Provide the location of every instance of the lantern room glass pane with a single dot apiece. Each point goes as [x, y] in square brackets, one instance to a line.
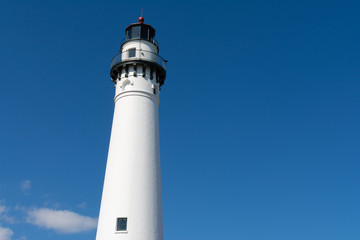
[134, 32]
[145, 33]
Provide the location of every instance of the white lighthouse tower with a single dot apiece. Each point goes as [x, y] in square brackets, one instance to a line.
[131, 207]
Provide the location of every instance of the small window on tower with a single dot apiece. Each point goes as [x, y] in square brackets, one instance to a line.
[121, 224]
[132, 52]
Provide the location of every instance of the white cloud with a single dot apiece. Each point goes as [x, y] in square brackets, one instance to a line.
[61, 221]
[5, 233]
[26, 186]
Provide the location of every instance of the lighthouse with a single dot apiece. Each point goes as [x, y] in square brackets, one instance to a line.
[131, 207]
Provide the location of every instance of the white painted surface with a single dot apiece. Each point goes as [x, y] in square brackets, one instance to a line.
[139, 45]
[132, 186]
[144, 50]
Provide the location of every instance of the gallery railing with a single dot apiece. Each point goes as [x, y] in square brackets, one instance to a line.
[133, 54]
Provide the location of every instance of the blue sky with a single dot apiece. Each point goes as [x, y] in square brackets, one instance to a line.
[259, 117]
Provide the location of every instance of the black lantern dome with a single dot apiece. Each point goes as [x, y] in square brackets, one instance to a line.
[140, 31]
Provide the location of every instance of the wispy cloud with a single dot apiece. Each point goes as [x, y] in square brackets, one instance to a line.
[25, 186]
[61, 221]
[6, 233]
[82, 205]
[2, 209]
[4, 215]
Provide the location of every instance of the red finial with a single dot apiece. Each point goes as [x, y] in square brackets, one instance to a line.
[141, 19]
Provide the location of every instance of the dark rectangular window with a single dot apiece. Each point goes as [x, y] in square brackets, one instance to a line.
[132, 52]
[121, 224]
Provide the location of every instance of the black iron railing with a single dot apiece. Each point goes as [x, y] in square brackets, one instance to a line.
[133, 54]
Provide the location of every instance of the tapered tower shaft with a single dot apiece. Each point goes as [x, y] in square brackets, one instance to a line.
[131, 207]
